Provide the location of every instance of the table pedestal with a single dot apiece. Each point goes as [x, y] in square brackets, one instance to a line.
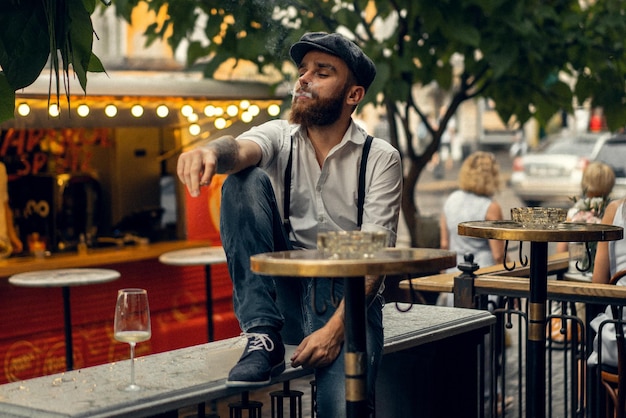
[536, 341]
[356, 348]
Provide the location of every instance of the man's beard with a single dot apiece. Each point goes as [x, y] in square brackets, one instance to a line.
[322, 112]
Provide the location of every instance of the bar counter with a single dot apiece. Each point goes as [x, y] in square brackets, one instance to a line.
[94, 257]
[31, 332]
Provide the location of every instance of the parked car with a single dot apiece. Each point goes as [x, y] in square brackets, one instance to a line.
[552, 173]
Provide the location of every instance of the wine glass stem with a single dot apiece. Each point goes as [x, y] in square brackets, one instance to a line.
[132, 363]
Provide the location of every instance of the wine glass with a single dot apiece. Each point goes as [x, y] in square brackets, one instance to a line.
[132, 324]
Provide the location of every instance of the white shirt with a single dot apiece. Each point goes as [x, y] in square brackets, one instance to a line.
[325, 198]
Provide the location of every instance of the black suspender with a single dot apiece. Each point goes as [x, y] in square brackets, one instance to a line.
[287, 192]
[361, 195]
[361, 192]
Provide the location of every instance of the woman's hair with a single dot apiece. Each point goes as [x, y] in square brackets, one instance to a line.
[598, 180]
[480, 174]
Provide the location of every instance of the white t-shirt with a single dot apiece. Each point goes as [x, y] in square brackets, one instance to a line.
[617, 259]
[325, 198]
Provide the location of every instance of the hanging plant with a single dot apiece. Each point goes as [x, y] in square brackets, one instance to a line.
[35, 32]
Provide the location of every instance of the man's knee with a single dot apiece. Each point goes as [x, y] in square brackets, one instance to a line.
[250, 180]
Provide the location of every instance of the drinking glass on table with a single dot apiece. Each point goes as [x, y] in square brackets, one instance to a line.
[132, 324]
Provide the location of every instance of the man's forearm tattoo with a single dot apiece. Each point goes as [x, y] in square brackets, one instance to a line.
[227, 153]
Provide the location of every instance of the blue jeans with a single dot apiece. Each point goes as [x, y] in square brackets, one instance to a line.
[251, 224]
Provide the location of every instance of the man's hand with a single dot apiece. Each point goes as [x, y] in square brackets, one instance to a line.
[196, 168]
[320, 348]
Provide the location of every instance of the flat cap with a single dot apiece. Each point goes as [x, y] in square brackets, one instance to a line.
[336, 44]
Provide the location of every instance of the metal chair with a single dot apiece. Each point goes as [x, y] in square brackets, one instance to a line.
[295, 402]
[614, 381]
[253, 407]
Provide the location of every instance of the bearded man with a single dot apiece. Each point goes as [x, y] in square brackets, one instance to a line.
[288, 181]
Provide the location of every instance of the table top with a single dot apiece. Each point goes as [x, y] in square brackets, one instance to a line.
[194, 256]
[313, 263]
[563, 232]
[64, 277]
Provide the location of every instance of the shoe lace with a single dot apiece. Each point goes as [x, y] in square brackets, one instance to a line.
[257, 341]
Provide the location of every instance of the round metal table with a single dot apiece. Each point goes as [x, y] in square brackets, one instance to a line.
[539, 239]
[202, 256]
[65, 278]
[312, 263]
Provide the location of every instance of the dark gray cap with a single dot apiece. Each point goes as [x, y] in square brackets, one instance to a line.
[335, 44]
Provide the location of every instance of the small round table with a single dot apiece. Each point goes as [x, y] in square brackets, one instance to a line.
[64, 278]
[202, 256]
[313, 263]
[539, 239]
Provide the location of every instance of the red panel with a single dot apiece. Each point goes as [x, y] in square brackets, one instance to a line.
[31, 331]
[203, 212]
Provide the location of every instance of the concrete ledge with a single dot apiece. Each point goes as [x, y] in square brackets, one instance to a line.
[188, 376]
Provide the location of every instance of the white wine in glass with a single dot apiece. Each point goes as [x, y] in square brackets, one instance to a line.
[132, 324]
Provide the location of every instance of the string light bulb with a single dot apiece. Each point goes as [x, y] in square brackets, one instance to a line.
[82, 110]
[209, 110]
[136, 110]
[162, 111]
[232, 110]
[54, 110]
[23, 109]
[220, 123]
[110, 110]
[254, 110]
[194, 129]
[273, 110]
[246, 117]
[186, 110]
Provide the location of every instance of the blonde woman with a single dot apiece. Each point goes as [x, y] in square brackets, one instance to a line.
[596, 186]
[479, 180]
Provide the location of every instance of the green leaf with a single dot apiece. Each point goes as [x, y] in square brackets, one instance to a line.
[24, 42]
[7, 99]
[80, 39]
[95, 65]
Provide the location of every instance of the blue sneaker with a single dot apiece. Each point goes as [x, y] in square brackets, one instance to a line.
[263, 358]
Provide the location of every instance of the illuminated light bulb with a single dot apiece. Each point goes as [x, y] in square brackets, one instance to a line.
[162, 111]
[209, 110]
[23, 109]
[246, 117]
[186, 110]
[220, 123]
[110, 110]
[54, 110]
[218, 111]
[254, 110]
[244, 104]
[193, 118]
[82, 110]
[273, 110]
[232, 110]
[194, 129]
[136, 110]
